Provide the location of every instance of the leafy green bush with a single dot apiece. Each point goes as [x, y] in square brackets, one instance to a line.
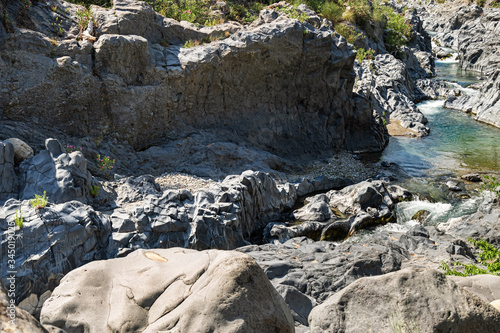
[488, 257]
[332, 11]
[194, 11]
[492, 184]
[398, 32]
[363, 54]
[94, 190]
[348, 32]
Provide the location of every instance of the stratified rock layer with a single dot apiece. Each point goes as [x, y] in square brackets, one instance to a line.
[278, 84]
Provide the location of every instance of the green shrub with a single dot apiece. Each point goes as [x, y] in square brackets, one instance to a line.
[105, 163]
[359, 12]
[441, 1]
[363, 54]
[492, 184]
[398, 32]
[348, 32]
[39, 201]
[332, 11]
[488, 257]
[94, 190]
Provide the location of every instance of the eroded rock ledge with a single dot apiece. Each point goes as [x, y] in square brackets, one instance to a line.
[278, 84]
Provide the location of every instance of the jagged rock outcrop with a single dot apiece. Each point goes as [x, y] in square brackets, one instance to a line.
[485, 104]
[423, 300]
[8, 177]
[51, 241]
[279, 84]
[62, 176]
[175, 290]
[387, 83]
[471, 30]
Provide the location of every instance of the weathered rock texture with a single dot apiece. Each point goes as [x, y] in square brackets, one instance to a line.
[8, 178]
[386, 81]
[280, 85]
[53, 240]
[485, 104]
[64, 177]
[12, 318]
[174, 290]
[422, 300]
[474, 32]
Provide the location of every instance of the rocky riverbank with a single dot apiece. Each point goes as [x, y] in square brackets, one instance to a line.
[220, 207]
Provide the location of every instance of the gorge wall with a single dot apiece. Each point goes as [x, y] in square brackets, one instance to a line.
[278, 84]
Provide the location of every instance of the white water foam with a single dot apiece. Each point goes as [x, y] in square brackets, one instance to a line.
[431, 107]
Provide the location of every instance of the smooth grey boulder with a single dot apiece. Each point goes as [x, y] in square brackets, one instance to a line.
[174, 290]
[485, 286]
[423, 300]
[301, 269]
[318, 209]
[8, 178]
[22, 150]
[64, 177]
[14, 319]
[52, 241]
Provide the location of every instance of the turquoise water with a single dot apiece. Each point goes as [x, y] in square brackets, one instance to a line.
[456, 144]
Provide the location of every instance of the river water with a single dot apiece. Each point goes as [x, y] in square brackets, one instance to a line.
[457, 144]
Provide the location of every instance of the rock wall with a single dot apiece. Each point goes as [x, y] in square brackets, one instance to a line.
[485, 104]
[278, 84]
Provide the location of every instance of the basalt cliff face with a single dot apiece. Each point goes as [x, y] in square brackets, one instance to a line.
[279, 85]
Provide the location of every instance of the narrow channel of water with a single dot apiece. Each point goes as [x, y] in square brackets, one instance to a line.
[457, 144]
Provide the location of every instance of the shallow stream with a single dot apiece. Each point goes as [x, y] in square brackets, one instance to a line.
[457, 144]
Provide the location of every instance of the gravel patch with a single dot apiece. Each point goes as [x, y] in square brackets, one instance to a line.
[176, 181]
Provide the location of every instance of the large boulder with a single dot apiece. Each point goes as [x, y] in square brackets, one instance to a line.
[22, 150]
[175, 290]
[424, 301]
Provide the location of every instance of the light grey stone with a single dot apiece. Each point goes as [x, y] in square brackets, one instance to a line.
[175, 289]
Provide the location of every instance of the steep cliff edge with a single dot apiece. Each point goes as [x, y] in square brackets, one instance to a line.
[280, 85]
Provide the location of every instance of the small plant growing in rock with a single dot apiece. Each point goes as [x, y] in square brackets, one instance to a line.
[39, 201]
[71, 148]
[94, 190]
[18, 219]
[105, 163]
[84, 15]
[293, 13]
[363, 54]
[489, 257]
[492, 184]
[191, 43]
[57, 26]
